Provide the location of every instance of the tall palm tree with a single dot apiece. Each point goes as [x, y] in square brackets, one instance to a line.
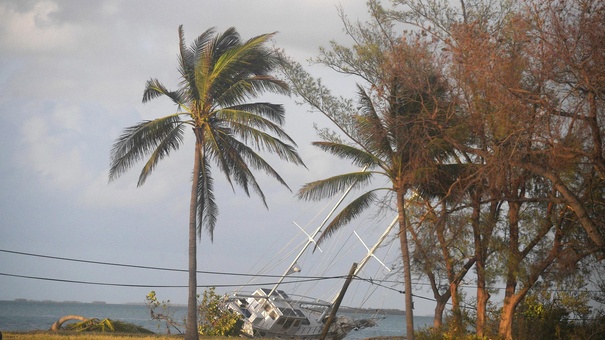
[396, 136]
[220, 75]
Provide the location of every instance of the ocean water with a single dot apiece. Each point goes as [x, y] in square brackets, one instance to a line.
[35, 315]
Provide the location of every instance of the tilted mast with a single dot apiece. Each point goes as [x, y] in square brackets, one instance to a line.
[311, 238]
[370, 253]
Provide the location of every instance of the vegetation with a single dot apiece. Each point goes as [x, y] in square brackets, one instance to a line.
[487, 121]
[220, 75]
[213, 318]
[163, 313]
[91, 336]
[105, 325]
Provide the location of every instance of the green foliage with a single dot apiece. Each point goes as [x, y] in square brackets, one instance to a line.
[91, 325]
[215, 320]
[106, 325]
[430, 333]
[549, 316]
[162, 312]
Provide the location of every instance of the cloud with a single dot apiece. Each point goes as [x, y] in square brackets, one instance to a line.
[34, 30]
[48, 150]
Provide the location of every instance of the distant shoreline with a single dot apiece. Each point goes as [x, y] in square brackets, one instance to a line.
[386, 311]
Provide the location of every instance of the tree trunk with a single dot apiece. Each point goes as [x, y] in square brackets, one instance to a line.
[513, 262]
[482, 295]
[456, 324]
[513, 298]
[407, 273]
[482, 298]
[57, 325]
[571, 199]
[505, 329]
[191, 332]
[439, 309]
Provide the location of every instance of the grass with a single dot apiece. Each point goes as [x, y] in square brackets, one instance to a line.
[63, 335]
[39, 335]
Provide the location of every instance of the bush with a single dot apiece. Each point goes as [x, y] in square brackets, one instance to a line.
[215, 319]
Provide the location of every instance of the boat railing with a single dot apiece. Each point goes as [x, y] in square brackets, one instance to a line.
[303, 300]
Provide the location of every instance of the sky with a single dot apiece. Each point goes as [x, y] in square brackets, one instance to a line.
[72, 75]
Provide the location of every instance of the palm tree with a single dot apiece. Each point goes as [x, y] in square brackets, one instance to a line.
[220, 75]
[396, 136]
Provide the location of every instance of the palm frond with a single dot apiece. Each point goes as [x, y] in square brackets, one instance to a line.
[224, 42]
[256, 161]
[355, 155]
[216, 150]
[273, 112]
[230, 155]
[171, 141]
[247, 53]
[154, 88]
[142, 139]
[265, 83]
[374, 135]
[207, 56]
[329, 187]
[207, 209]
[347, 214]
[263, 141]
[239, 65]
[186, 61]
[239, 92]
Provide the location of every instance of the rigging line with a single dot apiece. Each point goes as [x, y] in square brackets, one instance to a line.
[145, 267]
[414, 295]
[269, 264]
[379, 284]
[395, 290]
[495, 288]
[150, 286]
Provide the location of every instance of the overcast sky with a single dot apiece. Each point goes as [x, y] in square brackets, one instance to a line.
[72, 75]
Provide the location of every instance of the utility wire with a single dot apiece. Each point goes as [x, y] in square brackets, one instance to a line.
[403, 292]
[200, 286]
[148, 267]
[162, 286]
[302, 279]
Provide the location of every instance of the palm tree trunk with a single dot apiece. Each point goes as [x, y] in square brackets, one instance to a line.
[191, 332]
[407, 273]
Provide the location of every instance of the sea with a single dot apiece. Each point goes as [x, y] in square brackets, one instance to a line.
[25, 315]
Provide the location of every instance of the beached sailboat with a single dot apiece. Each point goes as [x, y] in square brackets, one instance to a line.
[274, 313]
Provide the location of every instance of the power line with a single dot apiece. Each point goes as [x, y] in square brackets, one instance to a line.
[201, 286]
[495, 288]
[301, 279]
[305, 278]
[373, 282]
[162, 286]
[150, 267]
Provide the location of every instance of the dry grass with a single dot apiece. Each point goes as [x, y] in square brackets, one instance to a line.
[87, 335]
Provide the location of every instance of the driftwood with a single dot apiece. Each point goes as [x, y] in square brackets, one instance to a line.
[57, 325]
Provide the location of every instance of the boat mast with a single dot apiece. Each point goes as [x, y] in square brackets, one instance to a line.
[311, 238]
[370, 253]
